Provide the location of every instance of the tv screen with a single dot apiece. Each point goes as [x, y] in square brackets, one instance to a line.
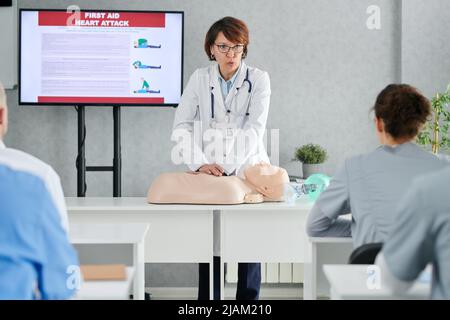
[98, 57]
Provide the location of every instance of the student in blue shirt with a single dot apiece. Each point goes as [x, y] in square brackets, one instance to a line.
[370, 185]
[35, 252]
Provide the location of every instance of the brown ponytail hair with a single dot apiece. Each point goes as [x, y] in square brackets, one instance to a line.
[403, 110]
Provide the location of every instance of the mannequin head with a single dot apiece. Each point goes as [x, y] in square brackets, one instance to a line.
[269, 180]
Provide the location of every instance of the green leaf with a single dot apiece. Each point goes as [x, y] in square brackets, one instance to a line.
[439, 121]
[311, 154]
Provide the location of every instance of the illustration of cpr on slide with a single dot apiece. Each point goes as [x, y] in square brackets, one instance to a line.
[143, 43]
[146, 88]
[139, 65]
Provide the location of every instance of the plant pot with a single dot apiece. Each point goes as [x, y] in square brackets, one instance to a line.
[309, 169]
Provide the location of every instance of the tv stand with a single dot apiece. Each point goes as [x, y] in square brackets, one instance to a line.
[116, 168]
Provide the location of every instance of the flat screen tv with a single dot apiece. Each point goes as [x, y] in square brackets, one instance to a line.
[100, 57]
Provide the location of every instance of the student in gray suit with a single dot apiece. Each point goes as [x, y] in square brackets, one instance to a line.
[420, 235]
[369, 186]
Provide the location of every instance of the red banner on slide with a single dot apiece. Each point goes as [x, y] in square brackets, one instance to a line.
[125, 19]
[106, 100]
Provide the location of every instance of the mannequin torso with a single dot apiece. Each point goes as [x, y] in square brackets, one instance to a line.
[263, 183]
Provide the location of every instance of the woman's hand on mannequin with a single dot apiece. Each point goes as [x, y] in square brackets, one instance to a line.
[213, 169]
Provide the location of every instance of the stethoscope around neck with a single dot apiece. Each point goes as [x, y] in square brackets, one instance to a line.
[228, 109]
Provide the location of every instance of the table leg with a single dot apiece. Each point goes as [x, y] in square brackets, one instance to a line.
[222, 259]
[222, 281]
[310, 279]
[211, 279]
[139, 266]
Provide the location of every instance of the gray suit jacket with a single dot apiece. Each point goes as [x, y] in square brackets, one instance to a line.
[369, 187]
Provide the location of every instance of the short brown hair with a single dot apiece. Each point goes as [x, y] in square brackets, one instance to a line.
[233, 29]
[403, 110]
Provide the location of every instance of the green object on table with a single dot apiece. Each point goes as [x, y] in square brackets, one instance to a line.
[315, 185]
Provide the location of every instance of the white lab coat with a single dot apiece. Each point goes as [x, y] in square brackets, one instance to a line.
[195, 107]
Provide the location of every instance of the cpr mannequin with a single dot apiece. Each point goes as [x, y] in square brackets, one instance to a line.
[263, 182]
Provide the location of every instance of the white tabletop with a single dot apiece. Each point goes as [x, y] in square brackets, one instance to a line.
[126, 233]
[123, 204]
[330, 239]
[140, 204]
[350, 282]
[106, 290]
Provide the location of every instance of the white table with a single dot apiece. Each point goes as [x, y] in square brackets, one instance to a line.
[179, 233]
[312, 268]
[107, 233]
[352, 282]
[106, 290]
[265, 232]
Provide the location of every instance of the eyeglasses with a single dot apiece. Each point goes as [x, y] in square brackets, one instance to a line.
[225, 49]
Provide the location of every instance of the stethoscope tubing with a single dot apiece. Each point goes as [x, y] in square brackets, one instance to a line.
[250, 87]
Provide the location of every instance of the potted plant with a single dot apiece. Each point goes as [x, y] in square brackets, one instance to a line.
[311, 156]
[435, 135]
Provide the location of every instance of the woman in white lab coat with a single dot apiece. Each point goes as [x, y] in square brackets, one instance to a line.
[223, 98]
[223, 112]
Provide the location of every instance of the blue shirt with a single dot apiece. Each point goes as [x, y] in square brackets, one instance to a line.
[35, 251]
[226, 86]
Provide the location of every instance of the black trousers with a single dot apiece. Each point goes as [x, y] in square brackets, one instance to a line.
[248, 286]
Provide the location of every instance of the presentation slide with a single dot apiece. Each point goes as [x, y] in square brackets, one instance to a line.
[87, 58]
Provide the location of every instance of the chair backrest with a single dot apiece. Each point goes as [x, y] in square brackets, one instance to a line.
[365, 254]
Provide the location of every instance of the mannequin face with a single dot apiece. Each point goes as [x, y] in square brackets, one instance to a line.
[268, 179]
